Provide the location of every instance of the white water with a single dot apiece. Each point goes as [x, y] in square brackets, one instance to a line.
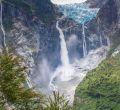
[101, 43]
[67, 76]
[28, 81]
[80, 67]
[64, 51]
[84, 42]
[65, 71]
[1, 23]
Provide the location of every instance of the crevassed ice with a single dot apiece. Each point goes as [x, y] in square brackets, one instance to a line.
[81, 13]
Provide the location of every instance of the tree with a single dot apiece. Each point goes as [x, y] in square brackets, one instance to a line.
[12, 84]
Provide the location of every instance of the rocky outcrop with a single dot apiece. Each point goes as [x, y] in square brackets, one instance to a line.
[96, 3]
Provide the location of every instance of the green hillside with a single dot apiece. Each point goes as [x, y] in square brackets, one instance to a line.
[100, 90]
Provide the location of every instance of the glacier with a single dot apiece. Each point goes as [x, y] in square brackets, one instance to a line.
[81, 13]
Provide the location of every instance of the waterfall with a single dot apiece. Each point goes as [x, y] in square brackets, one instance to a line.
[101, 43]
[64, 71]
[28, 81]
[84, 42]
[1, 24]
[64, 51]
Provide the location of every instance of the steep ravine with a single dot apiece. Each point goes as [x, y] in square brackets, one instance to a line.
[31, 32]
[102, 27]
[93, 51]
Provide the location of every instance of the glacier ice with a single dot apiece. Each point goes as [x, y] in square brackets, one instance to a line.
[80, 13]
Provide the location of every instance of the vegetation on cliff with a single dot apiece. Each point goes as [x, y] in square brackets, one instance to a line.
[12, 84]
[100, 90]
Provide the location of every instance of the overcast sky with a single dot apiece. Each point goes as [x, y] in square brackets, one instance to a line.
[67, 1]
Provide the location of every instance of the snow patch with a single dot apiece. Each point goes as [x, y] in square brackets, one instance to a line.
[59, 2]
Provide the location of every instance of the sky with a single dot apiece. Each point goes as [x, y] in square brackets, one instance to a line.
[67, 1]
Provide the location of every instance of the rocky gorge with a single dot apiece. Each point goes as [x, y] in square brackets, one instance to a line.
[81, 40]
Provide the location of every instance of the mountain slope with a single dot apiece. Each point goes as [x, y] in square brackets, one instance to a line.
[100, 89]
[30, 27]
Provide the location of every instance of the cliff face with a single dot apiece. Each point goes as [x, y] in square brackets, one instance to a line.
[109, 14]
[24, 23]
[117, 2]
[30, 27]
[39, 17]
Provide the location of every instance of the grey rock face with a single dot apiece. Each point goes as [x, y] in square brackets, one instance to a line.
[118, 11]
[109, 14]
[97, 3]
[35, 37]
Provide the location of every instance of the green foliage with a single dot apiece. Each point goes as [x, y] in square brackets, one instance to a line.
[100, 90]
[12, 84]
[57, 102]
[11, 74]
[2, 108]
